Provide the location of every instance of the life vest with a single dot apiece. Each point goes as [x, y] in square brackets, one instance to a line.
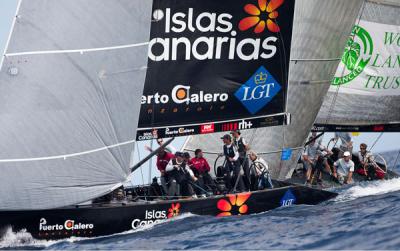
[178, 174]
[229, 152]
[241, 147]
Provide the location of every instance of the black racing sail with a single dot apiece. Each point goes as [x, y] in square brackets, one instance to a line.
[216, 66]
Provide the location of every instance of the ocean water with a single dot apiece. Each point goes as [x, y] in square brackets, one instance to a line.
[363, 216]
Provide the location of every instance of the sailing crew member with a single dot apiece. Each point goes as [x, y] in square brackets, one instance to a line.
[346, 142]
[242, 147]
[187, 159]
[261, 171]
[169, 148]
[198, 183]
[201, 169]
[163, 158]
[314, 135]
[368, 166]
[232, 165]
[345, 168]
[310, 157]
[180, 174]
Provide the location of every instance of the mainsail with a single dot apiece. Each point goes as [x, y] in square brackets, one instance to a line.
[365, 93]
[320, 31]
[71, 82]
[215, 63]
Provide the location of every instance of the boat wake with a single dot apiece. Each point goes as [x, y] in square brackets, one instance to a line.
[368, 188]
[20, 239]
[24, 239]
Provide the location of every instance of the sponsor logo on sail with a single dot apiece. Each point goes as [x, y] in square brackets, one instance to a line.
[181, 94]
[258, 91]
[357, 54]
[208, 128]
[149, 135]
[156, 216]
[179, 131]
[262, 16]
[219, 40]
[233, 204]
[288, 199]
[243, 125]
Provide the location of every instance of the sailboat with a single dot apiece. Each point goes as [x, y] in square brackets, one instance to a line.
[77, 77]
[362, 102]
[365, 90]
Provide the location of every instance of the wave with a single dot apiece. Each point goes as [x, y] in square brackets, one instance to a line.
[368, 188]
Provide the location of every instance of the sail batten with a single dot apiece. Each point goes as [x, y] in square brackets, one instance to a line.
[117, 47]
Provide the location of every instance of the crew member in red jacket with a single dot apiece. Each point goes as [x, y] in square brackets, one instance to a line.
[163, 158]
[201, 169]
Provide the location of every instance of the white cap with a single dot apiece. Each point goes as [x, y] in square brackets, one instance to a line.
[346, 154]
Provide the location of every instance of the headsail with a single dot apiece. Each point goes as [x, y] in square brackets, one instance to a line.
[319, 34]
[70, 85]
[213, 64]
[365, 93]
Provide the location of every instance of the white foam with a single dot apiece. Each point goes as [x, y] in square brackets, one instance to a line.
[369, 189]
[21, 238]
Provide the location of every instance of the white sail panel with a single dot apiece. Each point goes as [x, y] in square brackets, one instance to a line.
[366, 87]
[319, 35]
[70, 88]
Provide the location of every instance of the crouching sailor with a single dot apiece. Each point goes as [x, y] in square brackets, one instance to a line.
[180, 174]
[345, 168]
[232, 165]
[261, 171]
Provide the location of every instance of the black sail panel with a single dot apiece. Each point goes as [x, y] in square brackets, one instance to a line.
[216, 66]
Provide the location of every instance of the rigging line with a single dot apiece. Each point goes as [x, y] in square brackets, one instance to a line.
[10, 33]
[333, 103]
[65, 156]
[380, 135]
[151, 162]
[81, 51]
[141, 170]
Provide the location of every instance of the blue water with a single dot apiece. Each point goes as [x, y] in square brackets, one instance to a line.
[364, 216]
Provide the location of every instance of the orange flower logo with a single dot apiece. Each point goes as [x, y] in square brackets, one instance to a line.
[234, 205]
[174, 210]
[261, 16]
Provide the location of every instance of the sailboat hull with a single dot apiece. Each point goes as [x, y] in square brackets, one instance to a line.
[111, 218]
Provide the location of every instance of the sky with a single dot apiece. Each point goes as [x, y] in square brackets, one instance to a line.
[388, 141]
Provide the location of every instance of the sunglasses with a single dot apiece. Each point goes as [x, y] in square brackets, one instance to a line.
[363, 148]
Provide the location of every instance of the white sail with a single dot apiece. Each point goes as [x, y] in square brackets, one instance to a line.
[319, 34]
[366, 87]
[70, 88]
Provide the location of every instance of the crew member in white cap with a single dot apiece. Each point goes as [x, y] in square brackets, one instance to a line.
[345, 168]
